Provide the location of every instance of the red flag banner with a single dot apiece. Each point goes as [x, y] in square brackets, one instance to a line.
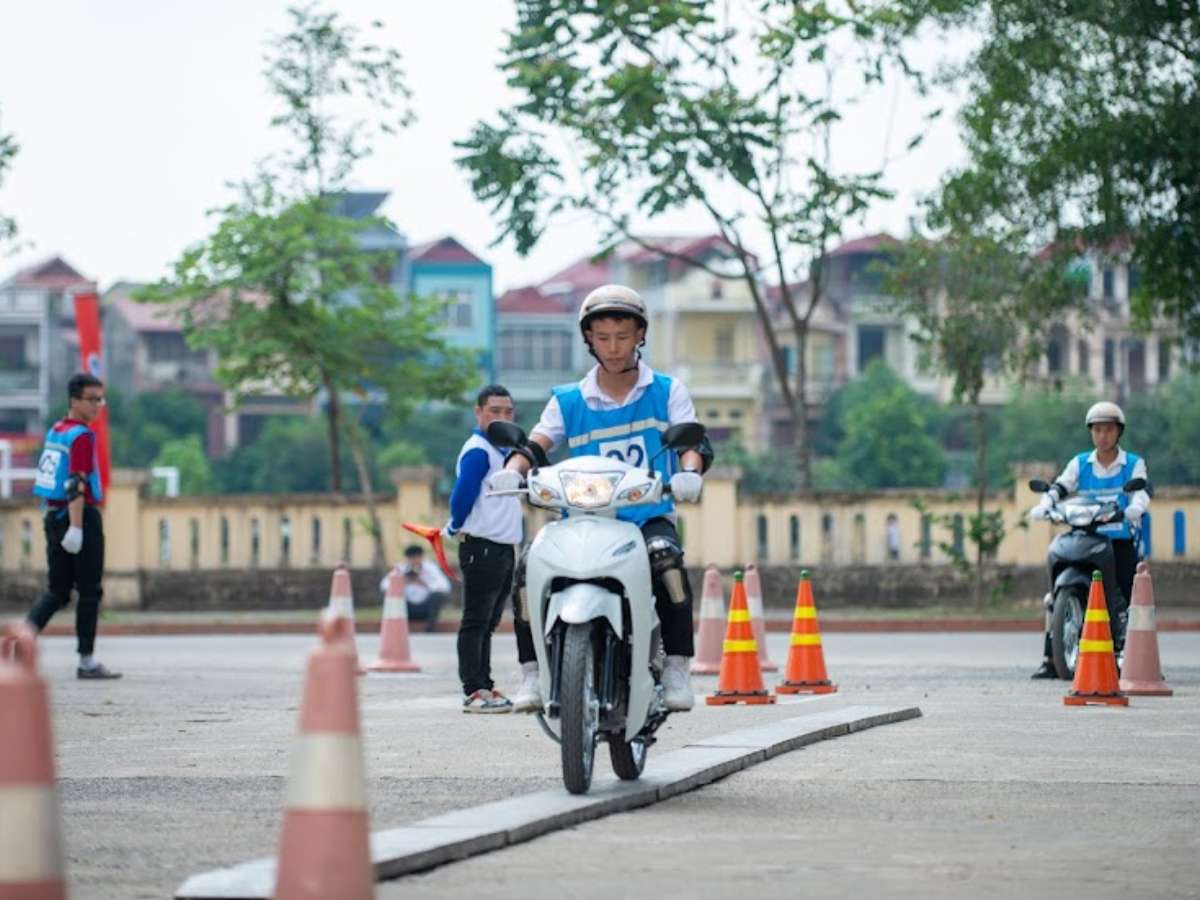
[91, 359]
[434, 536]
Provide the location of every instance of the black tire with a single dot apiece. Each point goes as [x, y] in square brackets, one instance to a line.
[628, 758]
[579, 708]
[1066, 628]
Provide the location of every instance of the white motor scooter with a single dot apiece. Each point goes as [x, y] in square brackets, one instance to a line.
[590, 599]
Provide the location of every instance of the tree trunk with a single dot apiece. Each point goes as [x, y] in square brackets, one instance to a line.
[358, 451]
[333, 414]
[980, 494]
[803, 448]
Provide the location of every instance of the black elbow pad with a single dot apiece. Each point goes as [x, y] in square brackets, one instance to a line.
[707, 455]
[532, 452]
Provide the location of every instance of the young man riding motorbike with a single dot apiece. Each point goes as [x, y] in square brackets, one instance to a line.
[619, 409]
[1102, 472]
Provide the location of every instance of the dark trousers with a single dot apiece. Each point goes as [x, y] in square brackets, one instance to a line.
[427, 611]
[81, 571]
[487, 569]
[676, 618]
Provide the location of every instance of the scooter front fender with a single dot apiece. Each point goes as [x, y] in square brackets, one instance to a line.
[584, 602]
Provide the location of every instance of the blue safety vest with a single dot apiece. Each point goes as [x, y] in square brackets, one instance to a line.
[632, 434]
[54, 466]
[1109, 488]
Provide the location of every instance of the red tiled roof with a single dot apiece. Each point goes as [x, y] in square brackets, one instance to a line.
[54, 273]
[446, 249]
[583, 275]
[144, 317]
[871, 243]
[528, 301]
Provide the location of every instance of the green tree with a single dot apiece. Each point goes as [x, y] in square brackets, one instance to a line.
[978, 304]
[188, 456]
[681, 106]
[1081, 123]
[291, 454]
[1164, 427]
[886, 437]
[1041, 426]
[142, 424]
[283, 289]
[8, 151]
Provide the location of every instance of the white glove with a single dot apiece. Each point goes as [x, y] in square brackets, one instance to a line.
[506, 480]
[1133, 513]
[686, 486]
[72, 541]
[449, 532]
[1040, 512]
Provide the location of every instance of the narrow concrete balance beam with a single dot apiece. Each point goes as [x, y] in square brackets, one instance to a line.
[480, 829]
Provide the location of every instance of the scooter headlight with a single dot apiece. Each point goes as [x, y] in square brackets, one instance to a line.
[1082, 515]
[589, 490]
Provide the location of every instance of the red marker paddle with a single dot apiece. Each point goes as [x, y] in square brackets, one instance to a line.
[434, 536]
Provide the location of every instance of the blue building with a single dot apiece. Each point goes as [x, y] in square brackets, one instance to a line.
[446, 270]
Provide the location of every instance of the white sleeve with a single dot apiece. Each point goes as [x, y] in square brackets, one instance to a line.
[1140, 499]
[435, 578]
[551, 425]
[1070, 476]
[679, 404]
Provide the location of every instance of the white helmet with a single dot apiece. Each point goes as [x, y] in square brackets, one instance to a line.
[610, 299]
[1104, 411]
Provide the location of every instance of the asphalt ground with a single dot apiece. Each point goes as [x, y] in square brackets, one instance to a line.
[998, 790]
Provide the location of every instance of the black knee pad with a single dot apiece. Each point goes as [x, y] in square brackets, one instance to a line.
[666, 568]
[520, 596]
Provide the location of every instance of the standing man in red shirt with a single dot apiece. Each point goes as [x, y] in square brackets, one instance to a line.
[68, 481]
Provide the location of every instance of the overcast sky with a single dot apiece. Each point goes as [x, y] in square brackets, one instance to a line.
[133, 115]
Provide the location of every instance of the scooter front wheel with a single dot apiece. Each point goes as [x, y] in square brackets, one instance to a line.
[579, 708]
[1066, 629]
[628, 757]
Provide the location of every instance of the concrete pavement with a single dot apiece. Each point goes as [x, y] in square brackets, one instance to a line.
[999, 789]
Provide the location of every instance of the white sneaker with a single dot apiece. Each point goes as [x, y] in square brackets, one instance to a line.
[529, 696]
[677, 684]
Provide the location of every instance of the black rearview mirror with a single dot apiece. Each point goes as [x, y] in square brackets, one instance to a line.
[1133, 485]
[1039, 486]
[685, 434]
[505, 434]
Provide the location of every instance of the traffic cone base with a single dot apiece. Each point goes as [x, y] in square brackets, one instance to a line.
[741, 679]
[707, 660]
[1096, 671]
[1141, 676]
[788, 687]
[756, 698]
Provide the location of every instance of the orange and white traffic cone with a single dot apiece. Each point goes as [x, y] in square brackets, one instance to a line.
[741, 679]
[805, 672]
[707, 660]
[1142, 675]
[1096, 671]
[394, 653]
[341, 603]
[324, 850]
[754, 600]
[31, 856]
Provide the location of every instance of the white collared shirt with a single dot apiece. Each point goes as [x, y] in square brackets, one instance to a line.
[1139, 501]
[679, 403]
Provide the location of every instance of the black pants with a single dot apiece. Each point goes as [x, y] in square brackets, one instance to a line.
[487, 569]
[676, 618]
[81, 571]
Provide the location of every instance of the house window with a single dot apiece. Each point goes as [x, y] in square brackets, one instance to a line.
[724, 345]
[735, 414]
[870, 345]
[535, 349]
[171, 347]
[1110, 283]
[12, 352]
[1085, 358]
[1110, 358]
[458, 308]
[1135, 279]
[1164, 359]
[713, 415]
